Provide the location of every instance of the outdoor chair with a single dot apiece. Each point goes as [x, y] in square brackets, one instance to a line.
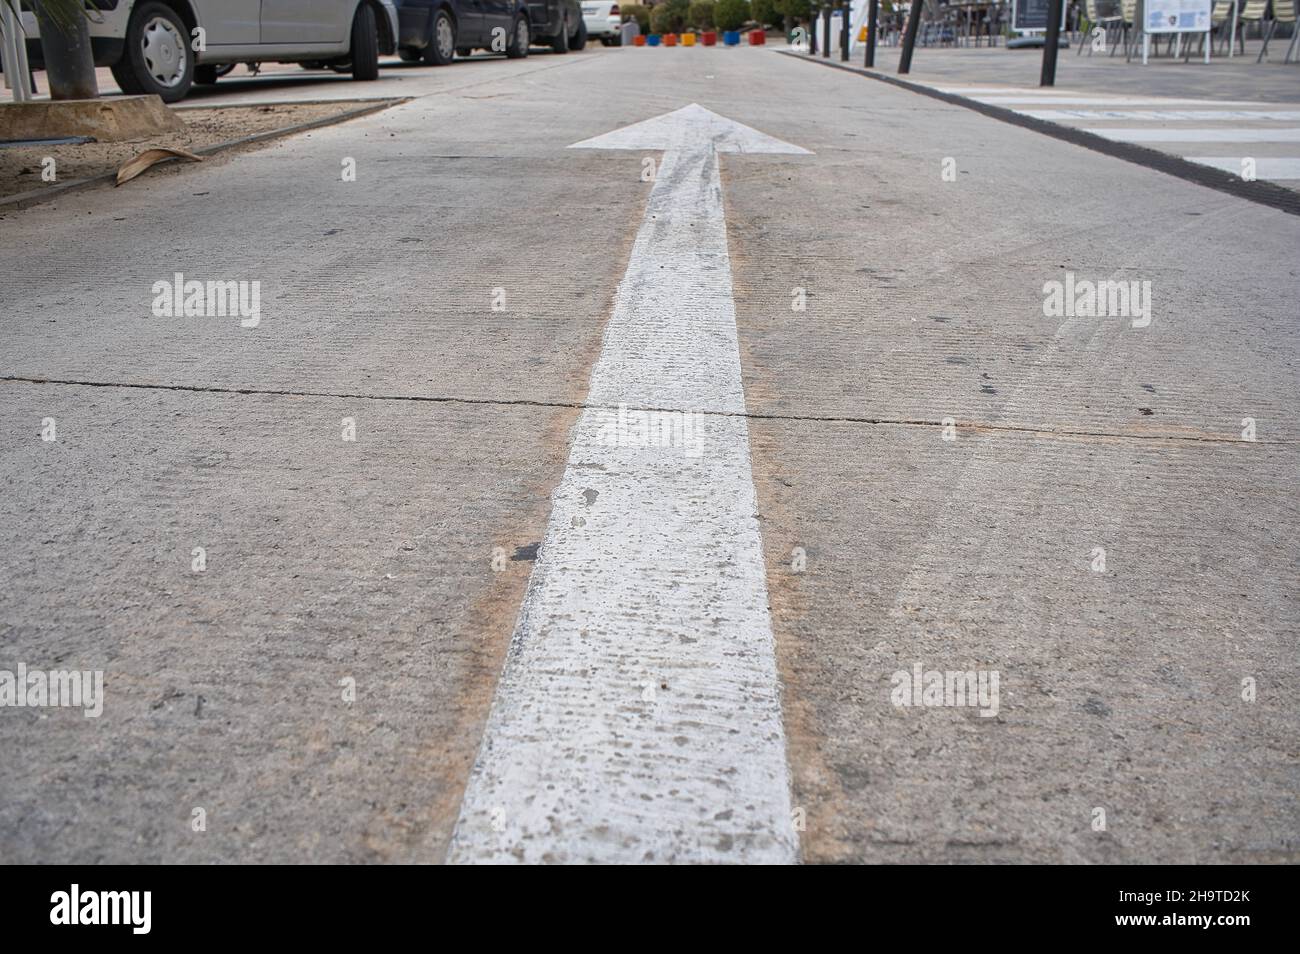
[1127, 22]
[1220, 29]
[1099, 13]
[1283, 12]
[1221, 18]
[1252, 11]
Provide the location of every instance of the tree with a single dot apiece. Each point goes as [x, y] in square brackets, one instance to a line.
[700, 15]
[65, 47]
[669, 16]
[731, 14]
[792, 10]
[766, 12]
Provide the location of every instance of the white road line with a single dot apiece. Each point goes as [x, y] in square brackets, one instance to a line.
[991, 91]
[1112, 102]
[1266, 167]
[1198, 135]
[638, 716]
[1173, 115]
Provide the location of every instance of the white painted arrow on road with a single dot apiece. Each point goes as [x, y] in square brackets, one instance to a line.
[638, 716]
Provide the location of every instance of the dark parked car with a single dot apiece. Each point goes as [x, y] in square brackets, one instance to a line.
[436, 31]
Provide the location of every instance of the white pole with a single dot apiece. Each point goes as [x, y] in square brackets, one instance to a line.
[1232, 34]
[15, 53]
[7, 45]
[25, 71]
[1209, 41]
[1146, 46]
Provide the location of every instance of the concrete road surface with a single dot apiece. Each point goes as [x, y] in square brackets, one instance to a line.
[604, 503]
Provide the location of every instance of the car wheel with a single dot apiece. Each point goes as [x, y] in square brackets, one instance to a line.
[442, 40]
[560, 42]
[520, 38]
[365, 44]
[207, 75]
[157, 58]
[409, 54]
[579, 40]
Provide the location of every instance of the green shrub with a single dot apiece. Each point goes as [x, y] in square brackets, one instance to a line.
[637, 12]
[731, 14]
[700, 15]
[795, 10]
[662, 20]
[669, 16]
[766, 12]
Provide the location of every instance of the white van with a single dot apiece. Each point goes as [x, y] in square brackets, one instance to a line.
[164, 46]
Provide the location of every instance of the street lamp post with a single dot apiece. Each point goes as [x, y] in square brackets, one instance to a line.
[909, 37]
[873, 12]
[1048, 75]
[844, 31]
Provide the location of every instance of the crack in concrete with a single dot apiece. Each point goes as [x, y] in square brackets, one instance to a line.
[582, 405]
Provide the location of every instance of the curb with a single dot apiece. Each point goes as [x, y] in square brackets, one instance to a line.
[1260, 191]
[39, 196]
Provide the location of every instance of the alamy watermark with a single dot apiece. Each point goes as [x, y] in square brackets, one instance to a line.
[182, 298]
[632, 428]
[66, 688]
[1100, 299]
[932, 688]
[75, 906]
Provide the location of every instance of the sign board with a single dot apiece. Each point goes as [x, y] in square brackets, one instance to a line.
[858, 18]
[1031, 16]
[1177, 16]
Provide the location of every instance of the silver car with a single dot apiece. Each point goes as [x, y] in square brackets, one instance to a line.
[164, 46]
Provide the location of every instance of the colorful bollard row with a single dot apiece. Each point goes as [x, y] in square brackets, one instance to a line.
[709, 38]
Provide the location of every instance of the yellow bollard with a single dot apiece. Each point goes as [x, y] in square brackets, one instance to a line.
[688, 39]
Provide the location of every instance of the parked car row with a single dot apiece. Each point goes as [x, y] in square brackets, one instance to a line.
[604, 22]
[165, 46]
[436, 31]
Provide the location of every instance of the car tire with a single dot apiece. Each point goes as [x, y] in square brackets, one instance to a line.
[157, 58]
[364, 52]
[209, 74]
[442, 40]
[579, 40]
[409, 54]
[521, 37]
[560, 42]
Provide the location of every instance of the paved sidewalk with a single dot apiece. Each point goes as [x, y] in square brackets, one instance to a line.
[1237, 78]
[1191, 116]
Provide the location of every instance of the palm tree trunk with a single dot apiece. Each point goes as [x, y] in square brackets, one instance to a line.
[65, 45]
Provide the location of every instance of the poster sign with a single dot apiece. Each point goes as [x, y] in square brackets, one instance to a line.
[1177, 16]
[1030, 16]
